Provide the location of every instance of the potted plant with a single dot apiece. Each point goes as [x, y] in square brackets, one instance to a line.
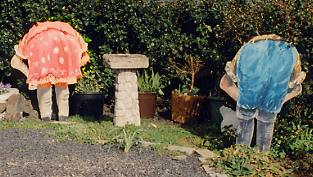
[185, 102]
[92, 89]
[149, 85]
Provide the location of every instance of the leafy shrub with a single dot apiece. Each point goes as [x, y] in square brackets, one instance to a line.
[96, 78]
[299, 141]
[241, 160]
[220, 140]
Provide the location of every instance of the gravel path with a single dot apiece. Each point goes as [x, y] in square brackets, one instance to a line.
[34, 153]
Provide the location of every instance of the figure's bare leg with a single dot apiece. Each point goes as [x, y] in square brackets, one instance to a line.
[44, 96]
[62, 96]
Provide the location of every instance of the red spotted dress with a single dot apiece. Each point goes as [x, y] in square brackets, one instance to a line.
[54, 51]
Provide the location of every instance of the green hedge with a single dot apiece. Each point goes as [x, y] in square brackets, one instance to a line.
[210, 30]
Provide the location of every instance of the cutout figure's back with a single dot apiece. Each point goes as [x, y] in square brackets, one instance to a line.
[263, 71]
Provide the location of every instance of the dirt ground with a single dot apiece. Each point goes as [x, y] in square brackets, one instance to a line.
[34, 153]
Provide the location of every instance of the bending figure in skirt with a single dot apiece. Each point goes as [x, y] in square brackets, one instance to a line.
[54, 52]
[264, 74]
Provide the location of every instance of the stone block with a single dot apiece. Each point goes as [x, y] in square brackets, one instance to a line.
[187, 150]
[15, 107]
[126, 61]
[147, 144]
[180, 157]
[29, 109]
[205, 153]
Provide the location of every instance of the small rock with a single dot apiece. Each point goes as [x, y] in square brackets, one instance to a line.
[208, 169]
[4, 97]
[29, 109]
[102, 141]
[187, 150]
[153, 125]
[2, 116]
[12, 164]
[211, 171]
[147, 144]
[205, 153]
[61, 122]
[22, 118]
[202, 160]
[220, 175]
[180, 157]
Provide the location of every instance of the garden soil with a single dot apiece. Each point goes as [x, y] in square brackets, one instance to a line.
[35, 153]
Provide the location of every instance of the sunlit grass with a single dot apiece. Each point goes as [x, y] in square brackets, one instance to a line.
[88, 130]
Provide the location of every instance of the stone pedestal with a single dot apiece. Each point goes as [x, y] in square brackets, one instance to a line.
[126, 110]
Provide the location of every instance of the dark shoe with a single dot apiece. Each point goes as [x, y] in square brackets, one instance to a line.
[63, 118]
[45, 118]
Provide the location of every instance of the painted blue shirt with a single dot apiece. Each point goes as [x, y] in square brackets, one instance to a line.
[263, 70]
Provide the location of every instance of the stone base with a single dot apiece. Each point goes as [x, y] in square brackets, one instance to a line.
[126, 110]
[13, 105]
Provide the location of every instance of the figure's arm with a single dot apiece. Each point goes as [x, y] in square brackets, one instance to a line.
[18, 64]
[297, 77]
[229, 87]
[293, 93]
[85, 59]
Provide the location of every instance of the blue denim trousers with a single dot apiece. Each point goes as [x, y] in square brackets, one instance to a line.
[265, 127]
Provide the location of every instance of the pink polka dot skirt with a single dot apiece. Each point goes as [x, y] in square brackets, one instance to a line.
[54, 51]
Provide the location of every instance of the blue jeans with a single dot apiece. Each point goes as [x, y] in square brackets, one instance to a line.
[265, 127]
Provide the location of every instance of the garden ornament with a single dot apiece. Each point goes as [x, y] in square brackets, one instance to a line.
[268, 73]
[54, 52]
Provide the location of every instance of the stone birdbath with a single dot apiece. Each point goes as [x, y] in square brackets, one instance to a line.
[126, 110]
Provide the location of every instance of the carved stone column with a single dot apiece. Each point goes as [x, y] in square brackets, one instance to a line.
[126, 110]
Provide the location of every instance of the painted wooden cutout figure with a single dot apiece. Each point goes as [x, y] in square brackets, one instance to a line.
[268, 73]
[54, 52]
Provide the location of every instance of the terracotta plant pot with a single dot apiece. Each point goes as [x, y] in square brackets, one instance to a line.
[147, 104]
[185, 108]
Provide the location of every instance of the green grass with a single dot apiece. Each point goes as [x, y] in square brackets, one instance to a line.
[86, 130]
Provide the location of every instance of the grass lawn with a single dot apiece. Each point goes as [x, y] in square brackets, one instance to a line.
[87, 130]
